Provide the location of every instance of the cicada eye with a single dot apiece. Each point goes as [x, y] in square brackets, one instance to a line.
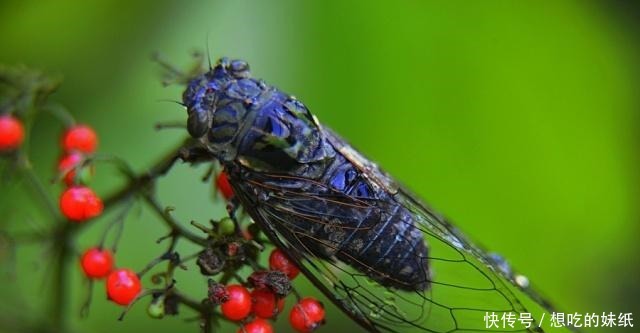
[239, 68]
[223, 62]
[198, 123]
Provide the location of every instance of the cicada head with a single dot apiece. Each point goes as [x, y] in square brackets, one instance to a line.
[238, 117]
[216, 103]
[199, 97]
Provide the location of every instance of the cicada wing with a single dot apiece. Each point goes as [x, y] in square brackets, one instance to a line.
[471, 283]
[325, 275]
[465, 284]
[433, 224]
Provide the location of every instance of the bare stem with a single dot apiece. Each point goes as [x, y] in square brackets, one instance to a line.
[37, 185]
[171, 222]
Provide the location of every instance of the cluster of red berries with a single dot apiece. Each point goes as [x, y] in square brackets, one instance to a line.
[263, 304]
[307, 315]
[78, 203]
[11, 133]
[123, 285]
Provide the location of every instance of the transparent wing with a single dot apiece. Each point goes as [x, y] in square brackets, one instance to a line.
[470, 290]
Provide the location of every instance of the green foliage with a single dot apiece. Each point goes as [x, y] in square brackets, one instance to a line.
[518, 120]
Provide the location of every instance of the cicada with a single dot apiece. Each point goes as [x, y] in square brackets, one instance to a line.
[382, 256]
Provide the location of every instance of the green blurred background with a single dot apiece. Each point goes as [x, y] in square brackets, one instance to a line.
[518, 120]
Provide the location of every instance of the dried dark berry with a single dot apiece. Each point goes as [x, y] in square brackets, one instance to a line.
[276, 281]
[171, 303]
[210, 262]
[217, 292]
[235, 250]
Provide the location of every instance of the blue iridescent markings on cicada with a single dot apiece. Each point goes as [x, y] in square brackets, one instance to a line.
[254, 128]
[387, 260]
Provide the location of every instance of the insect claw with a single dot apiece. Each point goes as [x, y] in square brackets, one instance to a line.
[174, 75]
[166, 125]
[194, 155]
[232, 207]
[159, 240]
[157, 57]
[207, 175]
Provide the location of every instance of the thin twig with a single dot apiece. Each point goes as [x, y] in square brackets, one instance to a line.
[37, 185]
[171, 222]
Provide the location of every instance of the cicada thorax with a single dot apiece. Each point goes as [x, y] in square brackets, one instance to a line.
[273, 148]
[281, 137]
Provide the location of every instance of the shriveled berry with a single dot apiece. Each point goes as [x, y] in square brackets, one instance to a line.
[307, 315]
[257, 325]
[80, 138]
[217, 292]
[80, 203]
[171, 304]
[223, 185]
[274, 281]
[234, 250]
[280, 262]
[123, 285]
[266, 304]
[11, 133]
[238, 305]
[210, 261]
[97, 263]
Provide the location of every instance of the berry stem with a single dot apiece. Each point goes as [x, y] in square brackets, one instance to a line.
[61, 113]
[59, 298]
[119, 222]
[121, 164]
[165, 256]
[86, 305]
[171, 222]
[140, 296]
[35, 183]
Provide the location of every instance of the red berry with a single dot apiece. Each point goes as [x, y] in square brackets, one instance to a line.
[67, 165]
[307, 315]
[266, 304]
[123, 285]
[11, 133]
[79, 203]
[238, 305]
[223, 185]
[280, 262]
[257, 325]
[97, 263]
[80, 138]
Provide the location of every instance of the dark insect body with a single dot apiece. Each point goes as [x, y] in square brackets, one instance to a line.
[388, 261]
